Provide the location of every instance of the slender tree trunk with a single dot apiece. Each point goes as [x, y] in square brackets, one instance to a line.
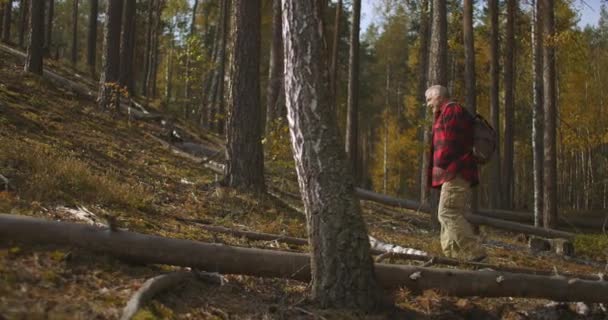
[153, 75]
[209, 116]
[169, 68]
[127, 46]
[438, 59]
[423, 67]
[189, 49]
[387, 94]
[495, 177]
[33, 62]
[244, 153]
[508, 171]
[352, 118]
[74, 32]
[537, 114]
[109, 94]
[221, 109]
[2, 6]
[341, 267]
[6, 21]
[550, 172]
[333, 77]
[23, 17]
[92, 37]
[48, 31]
[147, 52]
[469, 67]
[275, 92]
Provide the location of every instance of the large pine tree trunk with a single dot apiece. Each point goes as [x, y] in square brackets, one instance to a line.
[35, 48]
[23, 20]
[48, 31]
[549, 94]
[74, 56]
[469, 67]
[6, 21]
[275, 92]
[127, 46]
[92, 37]
[108, 97]
[508, 170]
[423, 67]
[494, 166]
[537, 114]
[342, 269]
[352, 116]
[244, 153]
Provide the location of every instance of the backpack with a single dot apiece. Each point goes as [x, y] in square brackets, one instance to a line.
[484, 138]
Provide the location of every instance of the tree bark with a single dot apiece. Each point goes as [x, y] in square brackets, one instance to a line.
[189, 49]
[469, 68]
[127, 46]
[48, 31]
[221, 106]
[92, 37]
[342, 269]
[74, 57]
[438, 75]
[438, 57]
[275, 92]
[352, 118]
[537, 114]
[2, 6]
[24, 8]
[244, 153]
[494, 166]
[155, 49]
[6, 21]
[268, 263]
[508, 169]
[109, 94]
[549, 95]
[35, 48]
[423, 67]
[147, 54]
[333, 76]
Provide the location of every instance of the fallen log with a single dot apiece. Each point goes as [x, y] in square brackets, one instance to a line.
[152, 287]
[473, 218]
[388, 251]
[268, 263]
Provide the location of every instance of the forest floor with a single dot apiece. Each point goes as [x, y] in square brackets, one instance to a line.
[57, 149]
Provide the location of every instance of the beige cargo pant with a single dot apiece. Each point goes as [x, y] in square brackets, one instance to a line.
[457, 237]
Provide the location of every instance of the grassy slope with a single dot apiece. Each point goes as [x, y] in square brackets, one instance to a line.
[57, 149]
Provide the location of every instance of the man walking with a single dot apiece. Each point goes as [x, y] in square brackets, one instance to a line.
[453, 169]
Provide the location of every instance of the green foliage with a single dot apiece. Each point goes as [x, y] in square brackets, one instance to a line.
[277, 144]
[595, 246]
[42, 174]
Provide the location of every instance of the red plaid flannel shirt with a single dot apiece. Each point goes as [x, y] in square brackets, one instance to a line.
[452, 146]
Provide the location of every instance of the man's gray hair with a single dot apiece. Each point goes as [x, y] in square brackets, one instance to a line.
[437, 91]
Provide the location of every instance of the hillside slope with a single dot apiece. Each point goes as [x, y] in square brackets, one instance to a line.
[58, 150]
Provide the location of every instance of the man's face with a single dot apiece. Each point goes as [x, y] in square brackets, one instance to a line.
[433, 101]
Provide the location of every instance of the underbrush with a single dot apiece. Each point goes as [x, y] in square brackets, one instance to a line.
[40, 173]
